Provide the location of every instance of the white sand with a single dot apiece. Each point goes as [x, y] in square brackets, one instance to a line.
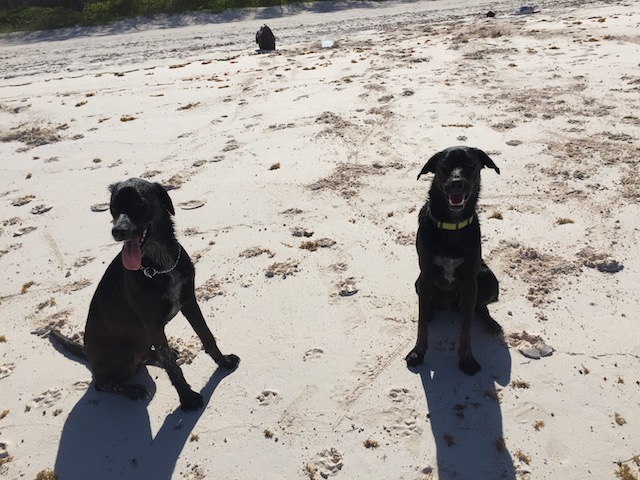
[553, 97]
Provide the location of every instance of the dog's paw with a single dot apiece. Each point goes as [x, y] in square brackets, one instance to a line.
[230, 361]
[415, 358]
[191, 401]
[468, 364]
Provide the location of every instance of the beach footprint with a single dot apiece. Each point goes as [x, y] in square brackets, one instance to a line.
[5, 455]
[231, 144]
[81, 385]
[40, 209]
[18, 202]
[82, 261]
[347, 287]
[312, 354]
[46, 399]
[339, 267]
[402, 422]
[400, 395]
[10, 248]
[6, 370]
[328, 462]
[268, 397]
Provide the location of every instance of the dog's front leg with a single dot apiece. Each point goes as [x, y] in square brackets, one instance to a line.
[191, 310]
[416, 356]
[466, 362]
[189, 400]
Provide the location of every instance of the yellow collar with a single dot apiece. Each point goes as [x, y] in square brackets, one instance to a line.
[451, 226]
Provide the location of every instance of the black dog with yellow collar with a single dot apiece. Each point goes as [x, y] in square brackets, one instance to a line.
[452, 272]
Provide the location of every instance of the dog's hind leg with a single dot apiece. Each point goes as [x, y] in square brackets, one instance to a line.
[425, 307]
[487, 293]
[111, 373]
[490, 324]
[488, 290]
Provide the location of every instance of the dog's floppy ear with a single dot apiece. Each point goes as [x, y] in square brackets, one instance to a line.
[484, 159]
[164, 198]
[431, 164]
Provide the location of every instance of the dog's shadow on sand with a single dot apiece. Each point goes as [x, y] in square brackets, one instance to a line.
[464, 411]
[109, 436]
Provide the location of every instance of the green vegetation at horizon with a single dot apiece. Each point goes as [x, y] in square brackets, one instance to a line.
[59, 14]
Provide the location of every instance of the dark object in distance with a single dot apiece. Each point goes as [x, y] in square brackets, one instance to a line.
[490, 14]
[133, 303]
[452, 272]
[265, 38]
[526, 10]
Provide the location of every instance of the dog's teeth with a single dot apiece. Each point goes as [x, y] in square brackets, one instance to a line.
[457, 200]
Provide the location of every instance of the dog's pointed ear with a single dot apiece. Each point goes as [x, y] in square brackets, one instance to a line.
[164, 197]
[484, 159]
[431, 164]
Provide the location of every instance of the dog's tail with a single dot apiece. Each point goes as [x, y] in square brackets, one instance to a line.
[71, 346]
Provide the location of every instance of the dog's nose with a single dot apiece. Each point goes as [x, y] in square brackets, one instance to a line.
[119, 234]
[457, 185]
[122, 228]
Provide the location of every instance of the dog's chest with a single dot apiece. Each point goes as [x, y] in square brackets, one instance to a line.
[448, 267]
[172, 295]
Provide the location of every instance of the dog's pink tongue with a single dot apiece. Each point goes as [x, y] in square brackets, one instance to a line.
[456, 199]
[131, 256]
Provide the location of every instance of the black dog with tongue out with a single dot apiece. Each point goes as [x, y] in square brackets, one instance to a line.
[452, 272]
[143, 288]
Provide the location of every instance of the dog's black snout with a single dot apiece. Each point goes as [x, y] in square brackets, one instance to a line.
[119, 234]
[457, 185]
[123, 228]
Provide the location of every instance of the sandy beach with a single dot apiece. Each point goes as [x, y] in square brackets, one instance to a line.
[293, 174]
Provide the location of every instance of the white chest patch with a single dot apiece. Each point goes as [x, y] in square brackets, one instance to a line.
[448, 266]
